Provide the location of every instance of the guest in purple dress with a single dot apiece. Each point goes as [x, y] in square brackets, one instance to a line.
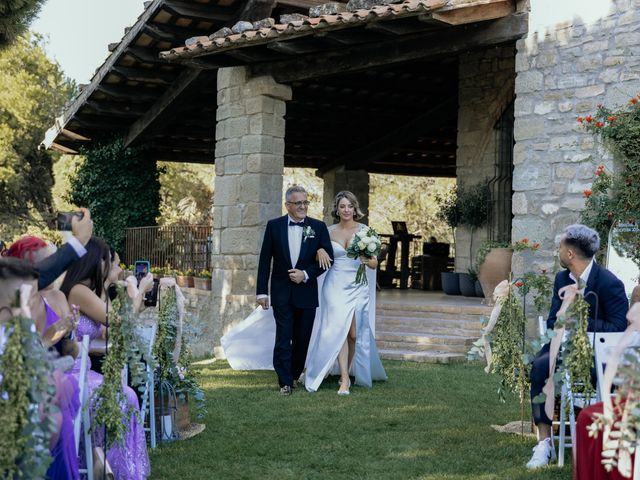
[85, 286]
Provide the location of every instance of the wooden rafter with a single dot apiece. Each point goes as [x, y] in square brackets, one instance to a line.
[198, 11]
[185, 79]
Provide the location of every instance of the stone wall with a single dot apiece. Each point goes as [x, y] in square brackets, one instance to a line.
[485, 90]
[563, 72]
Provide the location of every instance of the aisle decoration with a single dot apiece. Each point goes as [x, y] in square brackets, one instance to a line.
[502, 343]
[26, 396]
[173, 353]
[364, 243]
[621, 429]
[124, 349]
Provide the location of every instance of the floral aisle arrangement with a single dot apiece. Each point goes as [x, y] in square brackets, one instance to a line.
[502, 343]
[568, 336]
[173, 353]
[124, 349]
[26, 395]
[364, 243]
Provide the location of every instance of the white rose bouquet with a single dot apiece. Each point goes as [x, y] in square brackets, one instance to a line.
[364, 243]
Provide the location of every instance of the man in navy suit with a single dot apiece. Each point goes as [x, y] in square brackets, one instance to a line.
[608, 306]
[292, 242]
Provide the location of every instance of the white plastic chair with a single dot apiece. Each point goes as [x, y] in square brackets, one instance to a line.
[605, 344]
[82, 420]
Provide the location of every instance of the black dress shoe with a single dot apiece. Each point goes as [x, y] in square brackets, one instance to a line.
[285, 391]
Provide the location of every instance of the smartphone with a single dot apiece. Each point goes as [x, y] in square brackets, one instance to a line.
[141, 269]
[63, 220]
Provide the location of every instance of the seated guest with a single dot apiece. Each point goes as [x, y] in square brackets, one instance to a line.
[13, 273]
[577, 246]
[85, 285]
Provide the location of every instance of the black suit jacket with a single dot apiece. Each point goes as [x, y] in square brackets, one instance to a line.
[612, 300]
[275, 246]
[55, 265]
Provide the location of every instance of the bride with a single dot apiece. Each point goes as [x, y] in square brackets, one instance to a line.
[344, 326]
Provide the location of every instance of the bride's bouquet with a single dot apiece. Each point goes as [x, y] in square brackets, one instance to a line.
[365, 243]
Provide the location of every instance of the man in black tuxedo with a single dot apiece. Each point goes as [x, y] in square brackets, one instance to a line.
[292, 242]
[577, 247]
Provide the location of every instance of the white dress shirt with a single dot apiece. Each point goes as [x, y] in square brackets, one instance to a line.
[584, 276]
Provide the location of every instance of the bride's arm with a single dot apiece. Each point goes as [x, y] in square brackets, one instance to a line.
[323, 258]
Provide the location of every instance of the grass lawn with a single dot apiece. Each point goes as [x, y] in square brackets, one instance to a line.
[426, 422]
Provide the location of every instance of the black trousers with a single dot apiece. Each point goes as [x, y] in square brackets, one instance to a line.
[293, 332]
[539, 375]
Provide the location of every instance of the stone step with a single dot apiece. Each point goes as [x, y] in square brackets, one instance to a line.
[465, 327]
[427, 357]
[382, 306]
[422, 347]
[422, 339]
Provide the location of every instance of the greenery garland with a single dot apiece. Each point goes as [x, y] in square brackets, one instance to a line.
[26, 408]
[506, 342]
[179, 373]
[111, 407]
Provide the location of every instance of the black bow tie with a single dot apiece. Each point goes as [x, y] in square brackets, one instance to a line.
[296, 224]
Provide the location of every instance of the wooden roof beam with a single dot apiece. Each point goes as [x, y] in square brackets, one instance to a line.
[470, 13]
[130, 94]
[145, 75]
[185, 79]
[362, 57]
[195, 11]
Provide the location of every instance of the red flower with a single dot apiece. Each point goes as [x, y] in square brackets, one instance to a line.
[536, 246]
[609, 215]
[524, 240]
[599, 124]
[544, 270]
[587, 193]
[519, 284]
[600, 170]
[612, 118]
[580, 119]
[589, 118]
[633, 101]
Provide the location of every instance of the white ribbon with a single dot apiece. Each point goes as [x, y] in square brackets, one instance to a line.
[499, 294]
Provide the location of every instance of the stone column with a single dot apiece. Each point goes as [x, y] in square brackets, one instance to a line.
[248, 187]
[338, 179]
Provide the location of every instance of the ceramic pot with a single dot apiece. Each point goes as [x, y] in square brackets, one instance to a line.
[495, 268]
[467, 286]
[450, 283]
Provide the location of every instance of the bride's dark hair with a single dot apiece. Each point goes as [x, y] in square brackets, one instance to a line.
[352, 199]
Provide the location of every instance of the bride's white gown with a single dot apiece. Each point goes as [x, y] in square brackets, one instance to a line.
[249, 344]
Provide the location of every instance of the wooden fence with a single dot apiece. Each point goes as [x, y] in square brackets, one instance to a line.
[181, 247]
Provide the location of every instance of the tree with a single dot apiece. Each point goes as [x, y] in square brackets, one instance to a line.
[33, 91]
[186, 194]
[121, 188]
[15, 18]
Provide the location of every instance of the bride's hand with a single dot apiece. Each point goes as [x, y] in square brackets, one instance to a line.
[372, 262]
[323, 259]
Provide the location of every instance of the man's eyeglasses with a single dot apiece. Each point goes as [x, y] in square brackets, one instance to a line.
[300, 204]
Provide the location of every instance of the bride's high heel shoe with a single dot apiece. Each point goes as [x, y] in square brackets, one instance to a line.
[345, 392]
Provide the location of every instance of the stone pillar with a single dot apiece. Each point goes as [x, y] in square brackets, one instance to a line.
[338, 179]
[248, 187]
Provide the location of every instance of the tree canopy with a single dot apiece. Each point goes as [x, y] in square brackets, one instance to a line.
[33, 91]
[15, 18]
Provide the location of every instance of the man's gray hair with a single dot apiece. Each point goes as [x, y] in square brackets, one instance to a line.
[294, 189]
[582, 238]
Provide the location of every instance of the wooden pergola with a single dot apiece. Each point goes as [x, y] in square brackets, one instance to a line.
[373, 89]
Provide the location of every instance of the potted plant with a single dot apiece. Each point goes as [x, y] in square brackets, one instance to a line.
[493, 262]
[184, 279]
[202, 281]
[450, 214]
[473, 207]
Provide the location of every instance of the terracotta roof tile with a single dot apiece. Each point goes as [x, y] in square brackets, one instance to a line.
[297, 28]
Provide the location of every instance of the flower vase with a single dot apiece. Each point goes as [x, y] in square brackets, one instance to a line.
[495, 268]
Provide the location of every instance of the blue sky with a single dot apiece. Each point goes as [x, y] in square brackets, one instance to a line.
[79, 31]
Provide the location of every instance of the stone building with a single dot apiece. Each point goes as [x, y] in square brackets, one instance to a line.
[421, 87]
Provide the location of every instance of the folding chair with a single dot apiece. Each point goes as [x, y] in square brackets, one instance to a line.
[82, 421]
[148, 335]
[605, 344]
